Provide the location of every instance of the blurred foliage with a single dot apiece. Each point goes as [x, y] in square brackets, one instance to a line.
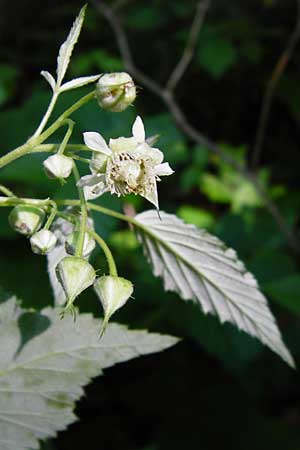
[219, 388]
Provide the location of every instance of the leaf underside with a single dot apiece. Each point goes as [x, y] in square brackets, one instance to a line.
[199, 267]
[46, 361]
[66, 49]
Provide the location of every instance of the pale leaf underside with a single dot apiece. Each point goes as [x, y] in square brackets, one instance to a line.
[41, 377]
[78, 82]
[199, 267]
[66, 48]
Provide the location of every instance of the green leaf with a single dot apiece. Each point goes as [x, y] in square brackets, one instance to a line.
[45, 362]
[199, 267]
[286, 291]
[196, 216]
[217, 55]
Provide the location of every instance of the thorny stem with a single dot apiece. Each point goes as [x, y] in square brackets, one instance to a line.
[84, 214]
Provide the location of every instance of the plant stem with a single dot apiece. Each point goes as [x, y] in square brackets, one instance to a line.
[107, 211]
[13, 201]
[52, 148]
[6, 191]
[51, 216]
[47, 114]
[84, 214]
[35, 141]
[62, 146]
[60, 120]
[106, 250]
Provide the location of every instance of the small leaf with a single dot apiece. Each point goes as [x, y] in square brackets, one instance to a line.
[45, 363]
[78, 82]
[199, 267]
[66, 48]
[48, 77]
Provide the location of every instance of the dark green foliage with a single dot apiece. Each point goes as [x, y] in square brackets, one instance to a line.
[218, 388]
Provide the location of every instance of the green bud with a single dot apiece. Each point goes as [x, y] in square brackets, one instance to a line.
[43, 242]
[26, 219]
[75, 275]
[113, 293]
[115, 91]
[88, 245]
[58, 166]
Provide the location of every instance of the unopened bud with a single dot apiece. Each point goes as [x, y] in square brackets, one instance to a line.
[26, 219]
[58, 166]
[115, 91]
[43, 242]
[113, 293]
[75, 275]
[88, 245]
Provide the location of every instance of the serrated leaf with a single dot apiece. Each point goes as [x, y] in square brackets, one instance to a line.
[79, 82]
[46, 361]
[199, 267]
[48, 77]
[66, 48]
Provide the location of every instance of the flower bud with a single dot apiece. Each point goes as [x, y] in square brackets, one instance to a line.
[115, 91]
[26, 219]
[75, 275]
[58, 166]
[113, 293]
[43, 242]
[88, 245]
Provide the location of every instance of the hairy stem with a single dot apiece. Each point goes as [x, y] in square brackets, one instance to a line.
[106, 250]
[84, 214]
[47, 114]
[35, 141]
[62, 146]
[6, 191]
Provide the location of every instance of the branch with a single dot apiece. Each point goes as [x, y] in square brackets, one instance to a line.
[181, 120]
[270, 90]
[188, 52]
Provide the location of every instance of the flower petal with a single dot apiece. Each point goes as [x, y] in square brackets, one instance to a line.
[96, 142]
[138, 130]
[88, 180]
[149, 153]
[150, 193]
[163, 169]
[95, 191]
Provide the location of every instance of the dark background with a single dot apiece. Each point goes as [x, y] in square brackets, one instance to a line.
[218, 388]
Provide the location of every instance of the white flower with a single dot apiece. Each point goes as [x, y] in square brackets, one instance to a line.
[126, 165]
